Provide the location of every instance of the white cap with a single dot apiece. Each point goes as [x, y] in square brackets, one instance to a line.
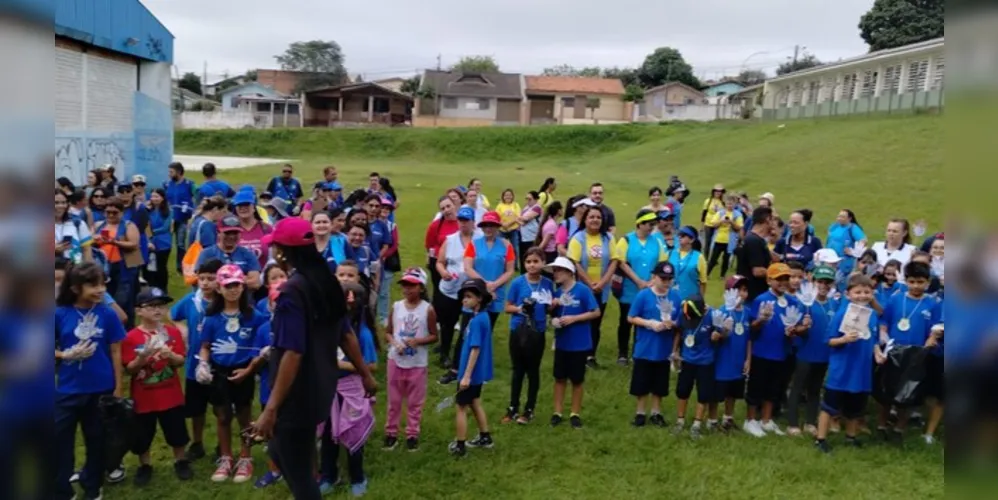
[138, 179]
[584, 202]
[562, 263]
[768, 196]
[827, 256]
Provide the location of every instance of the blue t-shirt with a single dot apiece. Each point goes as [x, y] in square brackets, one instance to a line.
[519, 290]
[101, 326]
[732, 350]
[27, 395]
[264, 338]
[225, 334]
[213, 187]
[367, 350]
[850, 366]
[478, 335]
[241, 256]
[771, 341]
[884, 292]
[363, 256]
[191, 310]
[918, 315]
[803, 254]
[380, 236]
[841, 237]
[161, 227]
[578, 300]
[695, 346]
[649, 344]
[204, 231]
[180, 196]
[263, 306]
[813, 348]
[335, 251]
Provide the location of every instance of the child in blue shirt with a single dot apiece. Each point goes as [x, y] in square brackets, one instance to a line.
[812, 354]
[734, 351]
[574, 307]
[854, 349]
[228, 341]
[694, 347]
[475, 368]
[655, 314]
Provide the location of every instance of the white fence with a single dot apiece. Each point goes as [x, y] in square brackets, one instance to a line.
[233, 119]
[695, 112]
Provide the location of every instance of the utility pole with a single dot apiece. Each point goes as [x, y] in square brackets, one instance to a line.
[796, 53]
[438, 62]
[204, 77]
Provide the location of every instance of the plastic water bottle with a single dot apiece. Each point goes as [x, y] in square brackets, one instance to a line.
[445, 403]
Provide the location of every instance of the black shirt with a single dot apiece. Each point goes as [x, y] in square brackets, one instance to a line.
[609, 219]
[754, 253]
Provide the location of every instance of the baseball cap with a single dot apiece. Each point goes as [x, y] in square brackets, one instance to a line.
[665, 214]
[664, 270]
[478, 286]
[414, 275]
[124, 187]
[243, 198]
[561, 263]
[688, 231]
[490, 219]
[466, 213]
[823, 273]
[229, 224]
[333, 186]
[777, 271]
[152, 295]
[768, 196]
[827, 256]
[229, 274]
[387, 202]
[291, 232]
[734, 281]
[138, 179]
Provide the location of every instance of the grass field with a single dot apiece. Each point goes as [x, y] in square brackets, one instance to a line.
[879, 167]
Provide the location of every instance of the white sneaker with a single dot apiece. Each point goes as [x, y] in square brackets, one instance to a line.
[929, 440]
[772, 427]
[753, 428]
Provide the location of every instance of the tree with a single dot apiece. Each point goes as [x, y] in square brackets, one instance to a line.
[627, 76]
[320, 60]
[805, 61]
[593, 104]
[666, 64]
[633, 93]
[896, 23]
[410, 86]
[751, 76]
[476, 64]
[569, 70]
[359, 78]
[250, 75]
[190, 81]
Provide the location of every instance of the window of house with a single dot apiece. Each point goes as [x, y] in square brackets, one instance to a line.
[278, 107]
[263, 107]
[813, 88]
[918, 71]
[381, 105]
[568, 102]
[293, 109]
[848, 87]
[892, 80]
[450, 103]
[690, 100]
[483, 104]
[869, 83]
[938, 73]
[827, 89]
[797, 94]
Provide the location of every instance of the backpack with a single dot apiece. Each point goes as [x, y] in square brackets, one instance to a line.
[190, 261]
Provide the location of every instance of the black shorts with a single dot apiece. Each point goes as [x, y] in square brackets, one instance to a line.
[850, 405]
[226, 394]
[765, 381]
[196, 398]
[702, 376]
[935, 378]
[469, 395]
[570, 365]
[650, 377]
[733, 389]
[170, 421]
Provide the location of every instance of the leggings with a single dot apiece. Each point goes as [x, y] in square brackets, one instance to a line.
[290, 449]
[595, 326]
[624, 330]
[808, 378]
[526, 363]
[719, 251]
[448, 313]
[330, 456]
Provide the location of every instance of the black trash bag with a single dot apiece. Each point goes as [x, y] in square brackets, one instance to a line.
[118, 417]
[526, 344]
[903, 376]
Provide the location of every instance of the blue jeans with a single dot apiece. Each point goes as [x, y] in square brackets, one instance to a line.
[180, 236]
[384, 294]
[123, 286]
[72, 410]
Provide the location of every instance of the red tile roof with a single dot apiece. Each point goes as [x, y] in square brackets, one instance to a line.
[574, 85]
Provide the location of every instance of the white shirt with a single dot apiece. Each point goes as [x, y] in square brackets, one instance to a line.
[407, 324]
[902, 255]
[79, 233]
[454, 263]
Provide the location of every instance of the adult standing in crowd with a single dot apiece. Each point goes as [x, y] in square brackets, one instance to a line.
[492, 260]
[530, 226]
[640, 253]
[724, 225]
[754, 257]
[72, 236]
[436, 233]
[799, 245]
[252, 228]
[212, 185]
[896, 245]
[229, 251]
[98, 199]
[285, 186]
[309, 324]
[157, 272]
[509, 213]
[549, 231]
[843, 234]
[447, 302]
[545, 195]
[689, 264]
[481, 202]
[576, 209]
[596, 260]
[711, 206]
[391, 262]
[596, 194]
[119, 240]
[180, 192]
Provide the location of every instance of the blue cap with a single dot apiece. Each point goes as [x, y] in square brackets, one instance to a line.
[246, 188]
[688, 231]
[243, 197]
[462, 189]
[466, 213]
[333, 186]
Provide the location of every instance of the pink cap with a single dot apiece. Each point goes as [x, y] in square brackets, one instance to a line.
[414, 275]
[229, 274]
[291, 232]
[490, 219]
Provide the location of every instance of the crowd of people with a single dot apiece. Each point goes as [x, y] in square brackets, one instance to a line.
[289, 306]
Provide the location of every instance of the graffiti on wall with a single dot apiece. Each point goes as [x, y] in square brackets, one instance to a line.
[75, 156]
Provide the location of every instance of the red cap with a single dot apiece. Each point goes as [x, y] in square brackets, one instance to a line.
[291, 232]
[734, 281]
[490, 219]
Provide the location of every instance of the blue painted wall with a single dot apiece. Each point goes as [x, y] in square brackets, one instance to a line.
[726, 88]
[252, 88]
[111, 23]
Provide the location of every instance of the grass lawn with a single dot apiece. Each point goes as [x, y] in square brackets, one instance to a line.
[879, 167]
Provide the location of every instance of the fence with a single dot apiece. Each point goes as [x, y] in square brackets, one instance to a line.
[694, 112]
[839, 100]
[233, 119]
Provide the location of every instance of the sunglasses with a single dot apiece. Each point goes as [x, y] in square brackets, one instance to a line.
[98, 197]
[287, 172]
[139, 184]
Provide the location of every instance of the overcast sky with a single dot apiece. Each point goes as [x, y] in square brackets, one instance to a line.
[383, 38]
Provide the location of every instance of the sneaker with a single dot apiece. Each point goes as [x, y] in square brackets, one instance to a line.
[447, 378]
[695, 432]
[390, 443]
[622, 361]
[143, 475]
[639, 420]
[412, 444]
[591, 363]
[929, 440]
[657, 420]
[677, 428]
[117, 475]
[75, 478]
[525, 418]
[712, 426]
[811, 430]
[481, 441]
[195, 452]
[822, 446]
[456, 449]
[326, 487]
[268, 479]
[753, 428]
[794, 431]
[244, 470]
[182, 468]
[727, 425]
[510, 416]
[359, 489]
[772, 427]
[556, 420]
[223, 471]
[576, 421]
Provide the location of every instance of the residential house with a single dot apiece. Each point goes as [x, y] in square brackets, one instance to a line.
[901, 78]
[282, 110]
[718, 92]
[674, 94]
[185, 100]
[564, 99]
[285, 82]
[356, 104]
[470, 99]
[678, 101]
[211, 89]
[394, 83]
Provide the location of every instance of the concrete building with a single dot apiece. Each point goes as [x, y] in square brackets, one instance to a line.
[112, 89]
